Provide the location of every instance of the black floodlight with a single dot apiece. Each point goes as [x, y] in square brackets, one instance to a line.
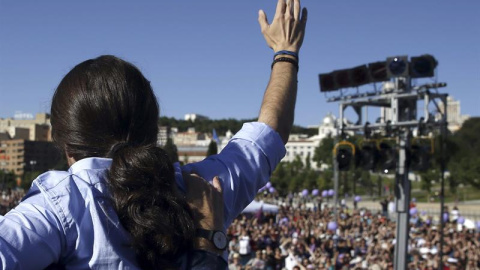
[344, 158]
[397, 66]
[327, 82]
[421, 152]
[344, 151]
[342, 78]
[378, 72]
[359, 75]
[422, 66]
[388, 156]
[368, 157]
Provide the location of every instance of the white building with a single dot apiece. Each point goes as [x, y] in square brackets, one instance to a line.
[304, 146]
[455, 118]
[24, 126]
[193, 117]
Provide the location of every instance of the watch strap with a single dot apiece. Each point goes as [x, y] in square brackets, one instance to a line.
[207, 234]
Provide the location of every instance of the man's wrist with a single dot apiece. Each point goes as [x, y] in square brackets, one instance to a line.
[206, 245]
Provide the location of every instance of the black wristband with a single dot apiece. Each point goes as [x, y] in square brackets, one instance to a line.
[286, 59]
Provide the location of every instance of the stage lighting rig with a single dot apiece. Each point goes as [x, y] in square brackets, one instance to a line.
[397, 66]
[388, 154]
[394, 149]
[359, 75]
[378, 71]
[344, 152]
[421, 151]
[422, 66]
[327, 82]
[368, 155]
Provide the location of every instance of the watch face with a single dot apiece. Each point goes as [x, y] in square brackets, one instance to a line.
[219, 240]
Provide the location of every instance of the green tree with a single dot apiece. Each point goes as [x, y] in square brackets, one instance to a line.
[212, 148]
[7, 179]
[171, 150]
[464, 163]
[323, 153]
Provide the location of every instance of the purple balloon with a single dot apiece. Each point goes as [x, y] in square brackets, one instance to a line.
[332, 225]
[268, 185]
[324, 193]
[284, 220]
[262, 189]
[305, 192]
[357, 198]
[315, 192]
[331, 192]
[428, 221]
[424, 213]
[445, 217]
[478, 224]
[460, 220]
[414, 200]
[413, 211]
[271, 189]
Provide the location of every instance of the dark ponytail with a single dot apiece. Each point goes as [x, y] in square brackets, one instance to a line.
[142, 182]
[104, 107]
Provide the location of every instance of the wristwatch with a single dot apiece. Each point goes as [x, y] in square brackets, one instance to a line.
[218, 238]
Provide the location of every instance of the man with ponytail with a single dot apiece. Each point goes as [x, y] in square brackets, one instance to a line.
[122, 204]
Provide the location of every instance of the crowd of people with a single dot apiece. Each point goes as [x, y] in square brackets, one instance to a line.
[9, 199]
[300, 237]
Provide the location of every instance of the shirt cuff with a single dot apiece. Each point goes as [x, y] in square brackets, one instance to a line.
[265, 138]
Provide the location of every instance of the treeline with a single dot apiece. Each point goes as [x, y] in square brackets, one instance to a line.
[221, 126]
[459, 152]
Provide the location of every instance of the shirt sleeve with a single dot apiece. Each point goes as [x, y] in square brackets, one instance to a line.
[30, 237]
[244, 166]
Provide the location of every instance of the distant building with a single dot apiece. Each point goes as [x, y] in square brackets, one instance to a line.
[38, 128]
[304, 146]
[18, 156]
[193, 117]
[454, 117]
[189, 138]
[189, 154]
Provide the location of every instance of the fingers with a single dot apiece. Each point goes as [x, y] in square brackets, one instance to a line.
[288, 11]
[262, 20]
[296, 9]
[304, 16]
[281, 6]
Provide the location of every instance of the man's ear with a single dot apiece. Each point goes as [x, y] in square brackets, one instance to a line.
[70, 159]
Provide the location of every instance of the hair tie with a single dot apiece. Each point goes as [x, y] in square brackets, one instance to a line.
[117, 147]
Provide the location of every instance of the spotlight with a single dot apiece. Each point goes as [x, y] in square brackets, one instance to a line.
[368, 156]
[421, 151]
[359, 75]
[378, 71]
[343, 158]
[422, 66]
[327, 82]
[344, 151]
[388, 156]
[342, 78]
[397, 66]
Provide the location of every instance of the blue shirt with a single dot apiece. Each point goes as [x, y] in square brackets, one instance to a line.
[66, 217]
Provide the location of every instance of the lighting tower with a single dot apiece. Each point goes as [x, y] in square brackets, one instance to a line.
[394, 151]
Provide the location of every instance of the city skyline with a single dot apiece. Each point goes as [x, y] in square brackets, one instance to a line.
[210, 58]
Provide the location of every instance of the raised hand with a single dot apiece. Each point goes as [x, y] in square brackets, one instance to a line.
[287, 29]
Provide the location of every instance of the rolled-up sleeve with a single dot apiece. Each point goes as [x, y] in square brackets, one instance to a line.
[30, 236]
[244, 166]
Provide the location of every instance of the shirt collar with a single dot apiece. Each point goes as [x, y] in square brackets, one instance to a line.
[91, 163]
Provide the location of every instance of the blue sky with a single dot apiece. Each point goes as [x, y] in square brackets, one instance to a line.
[209, 57]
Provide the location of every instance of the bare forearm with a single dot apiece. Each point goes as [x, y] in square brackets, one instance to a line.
[285, 36]
[278, 104]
